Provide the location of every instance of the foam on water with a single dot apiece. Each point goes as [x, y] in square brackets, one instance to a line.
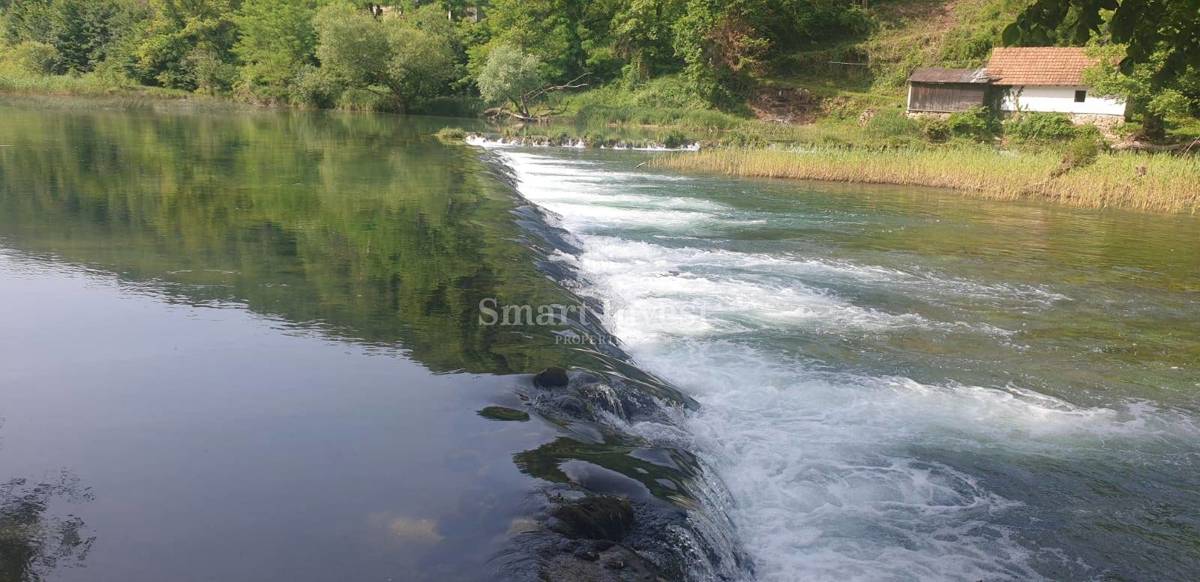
[824, 467]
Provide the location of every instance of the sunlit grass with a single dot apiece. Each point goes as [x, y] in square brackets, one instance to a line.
[1125, 180]
[18, 82]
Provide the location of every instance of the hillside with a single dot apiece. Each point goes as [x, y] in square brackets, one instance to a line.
[846, 78]
[821, 94]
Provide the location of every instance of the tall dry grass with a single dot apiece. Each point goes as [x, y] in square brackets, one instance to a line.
[1137, 181]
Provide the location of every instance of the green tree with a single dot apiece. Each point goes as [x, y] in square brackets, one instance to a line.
[510, 75]
[189, 45]
[1155, 102]
[405, 59]
[720, 46]
[83, 33]
[554, 30]
[642, 36]
[276, 39]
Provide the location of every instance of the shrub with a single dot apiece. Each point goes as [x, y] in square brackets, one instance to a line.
[740, 139]
[315, 87]
[977, 123]
[1040, 127]
[891, 124]
[935, 129]
[675, 139]
[1082, 151]
[34, 57]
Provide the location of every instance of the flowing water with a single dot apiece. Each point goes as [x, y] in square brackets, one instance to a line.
[900, 385]
[247, 345]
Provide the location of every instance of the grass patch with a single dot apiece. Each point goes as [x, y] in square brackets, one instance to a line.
[15, 81]
[1123, 180]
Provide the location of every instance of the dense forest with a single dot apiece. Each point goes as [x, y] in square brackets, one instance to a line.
[402, 55]
[462, 55]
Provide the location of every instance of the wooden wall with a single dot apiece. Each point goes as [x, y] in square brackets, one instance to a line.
[945, 98]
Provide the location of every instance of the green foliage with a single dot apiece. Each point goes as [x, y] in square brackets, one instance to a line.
[1155, 42]
[642, 37]
[314, 86]
[83, 33]
[553, 30]
[977, 123]
[935, 129]
[188, 45]
[892, 129]
[276, 41]
[1082, 151]
[35, 57]
[510, 75]
[451, 134]
[1040, 127]
[395, 59]
[741, 139]
[891, 123]
[720, 48]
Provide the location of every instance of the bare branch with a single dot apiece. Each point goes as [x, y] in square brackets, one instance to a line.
[572, 84]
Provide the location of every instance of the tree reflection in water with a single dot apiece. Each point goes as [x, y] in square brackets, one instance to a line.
[33, 541]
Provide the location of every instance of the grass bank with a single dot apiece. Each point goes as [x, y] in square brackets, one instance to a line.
[1118, 180]
[16, 82]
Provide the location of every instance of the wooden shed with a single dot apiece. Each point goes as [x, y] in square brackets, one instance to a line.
[934, 90]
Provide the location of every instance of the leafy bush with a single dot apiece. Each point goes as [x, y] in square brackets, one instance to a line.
[935, 129]
[314, 87]
[892, 129]
[675, 139]
[1040, 127]
[1082, 151]
[891, 123]
[977, 123]
[210, 73]
[35, 57]
[740, 139]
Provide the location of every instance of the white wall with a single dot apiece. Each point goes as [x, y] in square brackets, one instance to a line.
[1059, 99]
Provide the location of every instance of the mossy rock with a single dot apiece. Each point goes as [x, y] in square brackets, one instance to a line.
[595, 518]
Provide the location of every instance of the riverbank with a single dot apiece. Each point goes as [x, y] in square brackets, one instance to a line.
[1157, 183]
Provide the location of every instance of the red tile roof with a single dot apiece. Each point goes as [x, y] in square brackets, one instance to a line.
[1043, 65]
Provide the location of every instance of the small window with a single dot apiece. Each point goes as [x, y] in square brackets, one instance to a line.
[1080, 96]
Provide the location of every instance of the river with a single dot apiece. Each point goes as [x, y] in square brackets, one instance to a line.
[248, 345]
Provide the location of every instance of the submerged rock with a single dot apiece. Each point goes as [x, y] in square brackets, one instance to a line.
[595, 518]
[503, 413]
[614, 564]
[551, 378]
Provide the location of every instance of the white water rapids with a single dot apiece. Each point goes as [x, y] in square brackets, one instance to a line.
[846, 473]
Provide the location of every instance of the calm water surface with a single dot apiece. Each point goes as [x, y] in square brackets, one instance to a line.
[245, 346]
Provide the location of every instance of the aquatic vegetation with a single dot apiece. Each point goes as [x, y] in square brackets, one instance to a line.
[451, 134]
[1124, 180]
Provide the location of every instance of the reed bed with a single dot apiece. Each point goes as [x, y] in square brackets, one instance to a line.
[1158, 183]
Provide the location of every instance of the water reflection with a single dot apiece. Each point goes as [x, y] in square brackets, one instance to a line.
[34, 539]
[358, 225]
